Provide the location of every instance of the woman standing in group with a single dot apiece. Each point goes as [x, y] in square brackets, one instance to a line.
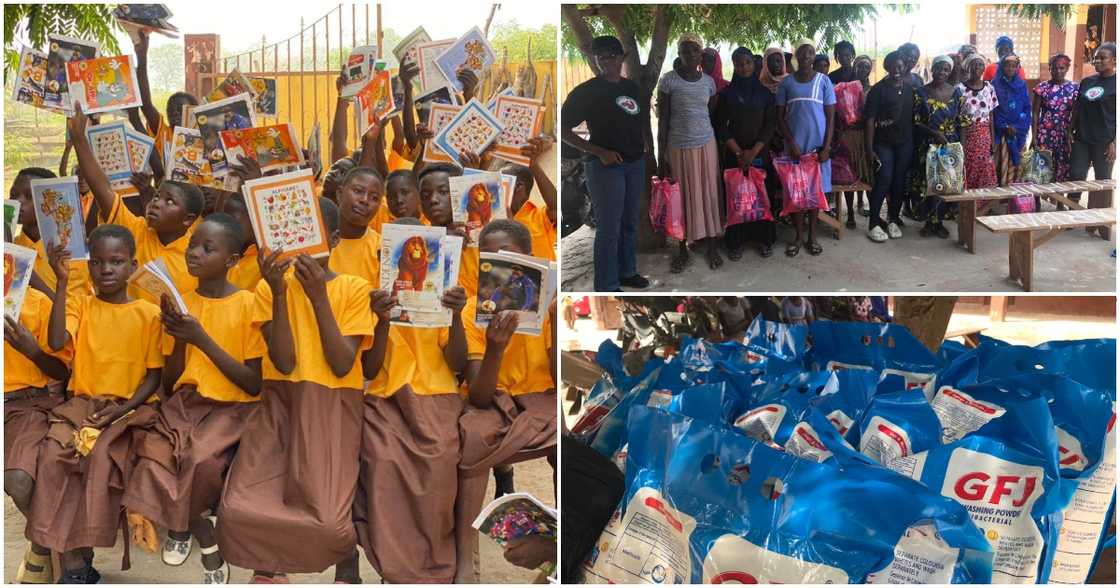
[745, 119]
[1012, 119]
[615, 162]
[806, 105]
[889, 114]
[979, 102]
[852, 136]
[687, 149]
[1052, 115]
[774, 69]
[1094, 139]
[937, 113]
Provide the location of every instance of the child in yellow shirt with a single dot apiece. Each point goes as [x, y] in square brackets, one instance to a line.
[246, 274]
[116, 369]
[286, 506]
[402, 200]
[159, 128]
[435, 202]
[541, 223]
[213, 366]
[356, 252]
[43, 278]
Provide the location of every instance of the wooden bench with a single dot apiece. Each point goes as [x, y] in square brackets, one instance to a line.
[1100, 196]
[1021, 240]
[838, 190]
[970, 335]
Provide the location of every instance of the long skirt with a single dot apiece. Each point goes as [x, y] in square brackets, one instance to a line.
[854, 140]
[77, 500]
[287, 502]
[698, 173]
[405, 507]
[25, 426]
[979, 166]
[1007, 171]
[182, 457]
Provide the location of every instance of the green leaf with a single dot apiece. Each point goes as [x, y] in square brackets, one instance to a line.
[94, 22]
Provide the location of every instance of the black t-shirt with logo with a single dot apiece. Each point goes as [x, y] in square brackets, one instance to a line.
[613, 115]
[1096, 107]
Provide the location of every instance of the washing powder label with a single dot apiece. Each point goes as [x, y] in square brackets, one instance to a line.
[1070, 455]
[913, 380]
[921, 556]
[805, 443]
[1083, 520]
[910, 466]
[762, 423]
[884, 441]
[961, 414]
[999, 495]
[835, 366]
[734, 560]
[841, 421]
[649, 545]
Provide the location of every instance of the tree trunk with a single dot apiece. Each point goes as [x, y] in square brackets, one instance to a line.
[927, 317]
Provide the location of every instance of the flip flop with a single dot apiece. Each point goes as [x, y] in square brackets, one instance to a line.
[814, 248]
[793, 249]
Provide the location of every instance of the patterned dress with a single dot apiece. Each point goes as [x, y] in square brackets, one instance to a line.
[1055, 116]
[976, 136]
[944, 117]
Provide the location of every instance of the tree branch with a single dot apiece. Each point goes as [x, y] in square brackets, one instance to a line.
[574, 18]
[616, 15]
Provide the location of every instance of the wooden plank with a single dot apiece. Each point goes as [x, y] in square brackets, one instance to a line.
[831, 221]
[1020, 257]
[998, 311]
[1033, 221]
[966, 225]
[856, 187]
[1061, 198]
[1039, 241]
[1101, 199]
[997, 193]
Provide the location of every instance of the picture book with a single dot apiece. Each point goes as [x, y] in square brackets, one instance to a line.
[471, 51]
[412, 266]
[64, 50]
[356, 70]
[274, 146]
[19, 263]
[188, 162]
[440, 116]
[140, 147]
[398, 96]
[235, 112]
[29, 86]
[516, 515]
[11, 216]
[58, 212]
[476, 200]
[374, 101]
[521, 120]
[234, 84]
[492, 103]
[103, 84]
[285, 214]
[512, 282]
[264, 89]
[431, 78]
[147, 17]
[405, 51]
[451, 250]
[153, 278]
[424, 104]
[509, 183]
[109, 142]
[315, 150]
[472, 129]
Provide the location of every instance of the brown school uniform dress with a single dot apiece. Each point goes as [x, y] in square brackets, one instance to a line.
[288, 498]
[184, 451]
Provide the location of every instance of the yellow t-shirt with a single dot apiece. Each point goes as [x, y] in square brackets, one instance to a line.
[19, 371]
[247, 273]
[349, 301]
[415, 356]
[525, 364]
[79, 284]
[228, 321]
[114, 345]
[162, 137]
[540, 228]
[359, 257]
[468, 272]
[149, 247]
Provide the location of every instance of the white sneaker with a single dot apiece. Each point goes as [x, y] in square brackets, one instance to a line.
[894, 231]
[877, 235]
[175, 552]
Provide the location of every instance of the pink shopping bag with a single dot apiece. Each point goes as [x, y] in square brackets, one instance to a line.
[801, 184]
[1020, 204]
[746, 196]
[666, 209]
[849, 101]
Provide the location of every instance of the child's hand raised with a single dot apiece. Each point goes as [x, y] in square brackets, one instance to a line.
[59, 258]
[454, 299]
[469, 81]
[312, 277]
[374, 130]
[381, 302]
[409, 72]
[77, 123]
[143, 184]
[247, 168]
[501, 329]
[537, 147]
[425, 133]
[460, 230]
[272, 270]
[470, 160]
[20, 337]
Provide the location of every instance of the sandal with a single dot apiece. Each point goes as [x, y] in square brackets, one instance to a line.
[35, 568]
[714, 259]
[793, 249]
[735, 253]
[765, 250]
[814, 248]
[679, 263]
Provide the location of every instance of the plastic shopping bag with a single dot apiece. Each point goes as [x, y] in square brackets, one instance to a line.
[1021, 204]
[802, 189]
[746, 196]
[849, 101]
[889, 350]
[1037, 167]
[945, 169]
[666, 210]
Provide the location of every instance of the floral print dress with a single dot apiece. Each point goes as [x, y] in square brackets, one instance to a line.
[976, 136]
[1055, 116]
[945, 117]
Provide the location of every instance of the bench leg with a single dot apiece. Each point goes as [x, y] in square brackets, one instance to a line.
[1101, 199]
[966, 225]
[1020, 257]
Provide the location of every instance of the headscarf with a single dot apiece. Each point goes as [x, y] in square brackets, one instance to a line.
[941, 59]
[691, 38]
[1014, 109]
[1005, 40]
[717, 71]
[771, 81]
[744, 90]
[965, 67]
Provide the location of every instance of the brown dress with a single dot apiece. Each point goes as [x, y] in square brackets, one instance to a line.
[25, 427]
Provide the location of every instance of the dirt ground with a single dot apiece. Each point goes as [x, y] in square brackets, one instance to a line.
[534, 477]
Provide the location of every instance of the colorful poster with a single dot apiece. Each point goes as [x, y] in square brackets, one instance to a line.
[265, 91]
[64, 50]
[274, 146]
[476, 200]
[472, 130]
[188, 162]
[140, 147]
[441, 115]
[521, 120]
[31, 77]
[19, 263]
[235, 112]
[374, 101]
[356, 70]
[109, 142]
[103, 84]
[512, 282]
[234, 84]
[431, 78]
[471, 51]
[58, 212]
[412, 265]
[285, 214]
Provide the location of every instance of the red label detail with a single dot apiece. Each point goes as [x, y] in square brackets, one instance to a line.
[889, 432]
[734, 578]
[659, 506]
[811, 440]
[951, 393]
[973, 486]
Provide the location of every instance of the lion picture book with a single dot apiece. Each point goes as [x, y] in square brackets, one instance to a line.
[264, 90]
[58, 212]
[472, 130]
[476, 200]
[412, 265]
[521, 120]
[512, 282]
[19, 262]
[154, 278]
[471, 51]
[64, 50]
[187, 160]
[451, 250]
[285, 214]
[103, 84]
[273, 146]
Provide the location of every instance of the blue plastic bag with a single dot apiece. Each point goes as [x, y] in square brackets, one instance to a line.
[886, 349]
[898, 424]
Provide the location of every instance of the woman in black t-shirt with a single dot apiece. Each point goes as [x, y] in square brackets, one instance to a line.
[1094, 120]
[614, 163]
[889, 116]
